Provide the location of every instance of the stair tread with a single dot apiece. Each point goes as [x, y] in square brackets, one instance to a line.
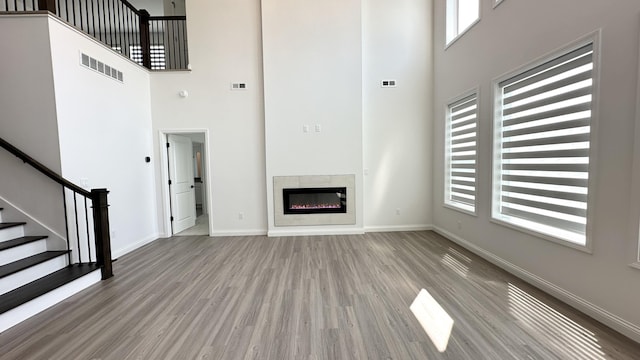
[39, 287]
[14, 267]
[10, 224]
[19, 241]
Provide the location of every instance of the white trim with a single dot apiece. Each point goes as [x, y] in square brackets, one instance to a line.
[251, 232]
[313, 232]
[398, 228]
[496, 3]
[41, 303]
[131, 247]
[615, 322]
[595, 38]
[634, 211]
[165, 228]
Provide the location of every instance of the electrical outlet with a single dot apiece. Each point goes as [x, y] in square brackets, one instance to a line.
[241, 216]
[388, 83]
[398, 211]
[459, 224]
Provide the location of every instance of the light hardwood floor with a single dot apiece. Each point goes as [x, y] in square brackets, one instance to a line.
[308, 297]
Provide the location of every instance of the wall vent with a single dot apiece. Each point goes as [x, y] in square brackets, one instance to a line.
[104, 69]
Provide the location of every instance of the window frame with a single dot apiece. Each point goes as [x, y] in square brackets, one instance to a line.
[634, 211]
[447, 108]
[456, 18]
[594, 39]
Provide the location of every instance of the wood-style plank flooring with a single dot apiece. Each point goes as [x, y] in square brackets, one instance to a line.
[308, 297]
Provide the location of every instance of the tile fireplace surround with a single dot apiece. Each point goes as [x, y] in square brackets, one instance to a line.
[313, 181]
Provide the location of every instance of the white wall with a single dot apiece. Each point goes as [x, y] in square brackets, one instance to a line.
[105, 133]
[28, 119]
[313, 76]
[224, 47]
[397, 121]
[506, 38]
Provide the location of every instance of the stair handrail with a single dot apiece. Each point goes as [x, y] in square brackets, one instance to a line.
[42, 168]
[99, 203]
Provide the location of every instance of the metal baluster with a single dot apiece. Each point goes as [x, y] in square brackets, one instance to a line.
[104, 20]
[119, 10]
[86, 217]
[80, 12]
[75, 209]
[66, 223]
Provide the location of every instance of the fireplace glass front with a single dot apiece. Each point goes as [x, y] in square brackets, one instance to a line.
[315, 200]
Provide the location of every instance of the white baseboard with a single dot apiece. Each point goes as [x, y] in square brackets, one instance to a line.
[395, 228]
[254, 232]
[116, 253]
[313, 232]
[615, 322]
[41, 303]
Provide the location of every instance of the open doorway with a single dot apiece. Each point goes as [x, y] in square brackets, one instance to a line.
[186, 190]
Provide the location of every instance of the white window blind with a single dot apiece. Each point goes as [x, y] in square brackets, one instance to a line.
[461, 150]
[543, 126]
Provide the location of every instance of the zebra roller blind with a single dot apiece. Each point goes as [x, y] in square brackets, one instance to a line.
[542, 141]
[461, 153]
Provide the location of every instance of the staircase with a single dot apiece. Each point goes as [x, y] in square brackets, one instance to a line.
[33, 278]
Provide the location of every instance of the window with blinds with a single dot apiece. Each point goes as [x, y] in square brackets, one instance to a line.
[542, 140]
[461, 146]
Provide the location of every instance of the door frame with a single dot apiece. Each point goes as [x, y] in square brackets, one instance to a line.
[164, 175]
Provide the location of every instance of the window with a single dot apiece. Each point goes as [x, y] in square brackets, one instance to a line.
[461, 14]
[156, 53]
[541, 146]
[461, 144]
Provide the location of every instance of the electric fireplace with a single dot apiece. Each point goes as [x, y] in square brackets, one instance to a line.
[330, 200]
[308, 200]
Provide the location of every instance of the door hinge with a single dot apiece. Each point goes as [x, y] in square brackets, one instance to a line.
[168, 145]
[169, 182]
[172, 218]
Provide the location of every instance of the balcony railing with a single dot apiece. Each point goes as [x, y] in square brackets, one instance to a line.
[155, 42]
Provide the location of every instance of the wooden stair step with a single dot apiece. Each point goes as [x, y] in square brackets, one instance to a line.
[19, 241]
[14, 267]
[11, 224]
[32, 290]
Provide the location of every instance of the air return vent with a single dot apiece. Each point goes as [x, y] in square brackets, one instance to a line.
[102, 68]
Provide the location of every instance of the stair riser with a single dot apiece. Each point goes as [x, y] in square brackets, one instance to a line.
[35, 272]
[11, 233]
[22, 251]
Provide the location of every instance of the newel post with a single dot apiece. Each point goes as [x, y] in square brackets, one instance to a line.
[48, 5]
[145, 40]
[101, 231]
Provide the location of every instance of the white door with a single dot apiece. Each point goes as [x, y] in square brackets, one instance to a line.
[181, 188]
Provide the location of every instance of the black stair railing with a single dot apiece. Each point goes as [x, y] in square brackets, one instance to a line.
[77, 217]
[155, 42]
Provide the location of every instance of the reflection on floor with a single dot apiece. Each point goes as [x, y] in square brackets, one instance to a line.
[201, 227]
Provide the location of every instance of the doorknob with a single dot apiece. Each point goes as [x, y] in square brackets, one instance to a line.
[192, 186]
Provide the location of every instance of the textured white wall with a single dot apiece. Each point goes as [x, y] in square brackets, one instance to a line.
[105, 133]
[312, 56]
[507, 37]
[28, 119]
[397, 45]
[224, 47]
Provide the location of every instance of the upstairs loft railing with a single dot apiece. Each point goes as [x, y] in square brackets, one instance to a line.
[77, 218]
[155, 42]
